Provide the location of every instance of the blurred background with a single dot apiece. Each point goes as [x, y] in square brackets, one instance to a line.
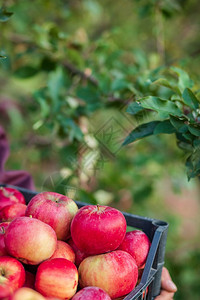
[70, 71]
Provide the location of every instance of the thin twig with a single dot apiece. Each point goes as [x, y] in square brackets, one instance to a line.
[75, 71]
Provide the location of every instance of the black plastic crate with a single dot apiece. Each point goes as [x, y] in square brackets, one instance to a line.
[156, 230]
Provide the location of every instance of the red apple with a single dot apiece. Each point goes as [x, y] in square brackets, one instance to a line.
[12, 211]
[79, 255]
[63, 250]
[29, 280]
[137, 244]
[30, 240]
[54, 209]
[91, 293]
[57, 277]
[12, 275]
[98, 229]
[10, 196]
[3, 228]
[115, 272]
[26, 293]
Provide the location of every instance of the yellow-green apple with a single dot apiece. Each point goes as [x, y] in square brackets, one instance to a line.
[3, 227]
[30, 240]
[26, 293]
[9, 196]
[115, 272]
[91, 293]
[63, 250]
[57, 277]
[79, 255]
[29, 280]
[12, 211]
[137, 244]
[12, 276]
[97, 229]
[54, 209]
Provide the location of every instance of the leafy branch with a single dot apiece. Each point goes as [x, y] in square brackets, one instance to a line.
[179, 115]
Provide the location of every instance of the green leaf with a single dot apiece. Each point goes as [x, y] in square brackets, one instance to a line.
[179, 123]
[119, 84]
[25, 72]
[44, 106]
[161, 106]
[91, 96]
[184, 80]
[185, 146]
[140, 132]
[196, 143]
[194, 129]
[190, 99]
[164, 127]
[188, 136]
[166, 83]
[134, 108]
[4, 14]
[55, 83]
[193, 164]
[70, 128]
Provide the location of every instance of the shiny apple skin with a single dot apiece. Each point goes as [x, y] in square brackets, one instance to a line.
[137, 244]
[54, 209]
[10, 212]
[26, 293]
[3, 228]
[115, 272]
[57, 277]
[12, 276]
[63, 250]
[10, 196]
[30, 240]
[91, 293]
[98, 229]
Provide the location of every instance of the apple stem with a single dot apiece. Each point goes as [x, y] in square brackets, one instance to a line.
[98, 207]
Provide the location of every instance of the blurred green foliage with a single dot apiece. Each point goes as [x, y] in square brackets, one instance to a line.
[80, 77]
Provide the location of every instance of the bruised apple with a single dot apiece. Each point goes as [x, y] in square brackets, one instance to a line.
[57, 277]
[91, 293]
[54, 209]
[115, 272]
[30, 240]
[137, 244]
[98, 229]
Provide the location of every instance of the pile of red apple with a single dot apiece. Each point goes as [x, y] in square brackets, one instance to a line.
[50, 249]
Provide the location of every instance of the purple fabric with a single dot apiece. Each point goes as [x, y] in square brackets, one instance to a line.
[17, 178]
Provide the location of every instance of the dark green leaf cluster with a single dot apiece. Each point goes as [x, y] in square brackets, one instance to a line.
[179, 115]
